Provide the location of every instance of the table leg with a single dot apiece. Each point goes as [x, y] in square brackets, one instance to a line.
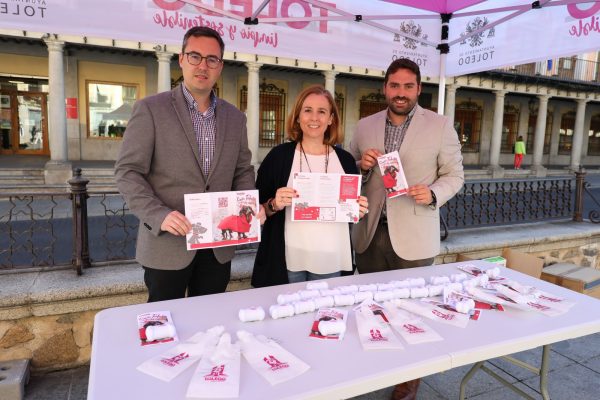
[542, 372]
[467, 378]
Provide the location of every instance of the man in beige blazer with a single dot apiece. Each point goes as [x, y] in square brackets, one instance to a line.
[183, 141]
[404, 231]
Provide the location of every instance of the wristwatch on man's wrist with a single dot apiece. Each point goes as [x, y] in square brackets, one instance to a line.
[366, 174]
[433, 203]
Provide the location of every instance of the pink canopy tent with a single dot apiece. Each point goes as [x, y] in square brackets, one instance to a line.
[522, 31]
[438, 6]
[446, 38]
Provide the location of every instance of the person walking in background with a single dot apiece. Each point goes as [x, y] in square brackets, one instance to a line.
[404, 231]
[183, 141]
[519, 152]
[292, 251]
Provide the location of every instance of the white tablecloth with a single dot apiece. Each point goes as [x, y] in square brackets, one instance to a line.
[338, 369]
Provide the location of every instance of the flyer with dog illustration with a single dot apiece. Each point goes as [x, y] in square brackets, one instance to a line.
[222, 219]
[326, 197]
[392, 174]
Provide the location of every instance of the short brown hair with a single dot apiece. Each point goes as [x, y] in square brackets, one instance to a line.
[333, 133]
[203, 31]
[402, 63]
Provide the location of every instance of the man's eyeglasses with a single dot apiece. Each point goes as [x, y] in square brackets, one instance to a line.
[196, 59]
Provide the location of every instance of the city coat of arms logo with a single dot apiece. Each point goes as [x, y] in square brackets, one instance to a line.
[411, 28]
[478, 38]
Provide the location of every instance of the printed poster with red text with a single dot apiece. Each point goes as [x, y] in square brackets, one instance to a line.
[326, 197]
[222, 219]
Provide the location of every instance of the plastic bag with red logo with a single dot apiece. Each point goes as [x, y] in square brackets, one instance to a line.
[374, 328]
[269, 359]
[412, 328]
[171, 363]
[218, 373]
[433, 312]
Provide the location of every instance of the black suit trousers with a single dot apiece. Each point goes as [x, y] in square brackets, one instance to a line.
[204, 275]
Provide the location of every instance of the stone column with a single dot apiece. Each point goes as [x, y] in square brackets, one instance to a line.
[494, 167]
[451, 103]
[539, 135]
[253, 109]
[578, 135]
[559, 108]
[58, 169]
[164, 70]
[330, 81]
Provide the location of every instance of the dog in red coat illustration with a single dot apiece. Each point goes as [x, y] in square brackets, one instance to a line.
[389, 178]
[239, 224]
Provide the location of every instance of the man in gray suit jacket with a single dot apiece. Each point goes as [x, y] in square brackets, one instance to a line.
[404, 231]
[183, 141]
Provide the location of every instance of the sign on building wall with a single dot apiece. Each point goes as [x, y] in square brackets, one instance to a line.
[71, 107]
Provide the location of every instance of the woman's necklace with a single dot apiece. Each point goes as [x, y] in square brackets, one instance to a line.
[305, 158]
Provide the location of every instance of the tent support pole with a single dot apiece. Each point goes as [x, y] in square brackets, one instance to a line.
[444, 50]
[442, 85]
[259, 9]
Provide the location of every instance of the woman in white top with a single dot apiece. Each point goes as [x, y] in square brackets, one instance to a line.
[293, 251]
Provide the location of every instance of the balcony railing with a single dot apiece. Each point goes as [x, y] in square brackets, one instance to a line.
[566, 69]
[507, 202]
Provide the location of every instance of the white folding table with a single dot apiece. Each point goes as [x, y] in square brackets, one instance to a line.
[338, 369]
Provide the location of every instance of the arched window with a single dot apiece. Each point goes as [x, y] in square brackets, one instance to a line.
[271, 126]
[372, 103]
[565, 140]
[594, 136]
[510, 127]
[467, 122]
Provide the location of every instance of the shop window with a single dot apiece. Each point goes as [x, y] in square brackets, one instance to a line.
[467, 122]
[594, 136]
[510, 127]
[109, 107]
[6, 122]
[23, 116]
[271, 112]
[565, 139]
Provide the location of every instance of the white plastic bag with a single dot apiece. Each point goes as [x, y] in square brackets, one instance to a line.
[433, 312]
[374, 330]
[173, 362]
[269, 359]
[410, 327]
[218, 373]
